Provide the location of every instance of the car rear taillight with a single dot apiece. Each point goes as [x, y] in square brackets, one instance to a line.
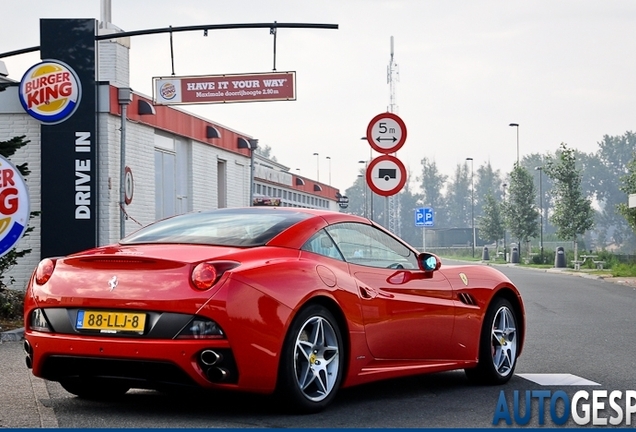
[44, 271]
[203, 276]
[206, 274]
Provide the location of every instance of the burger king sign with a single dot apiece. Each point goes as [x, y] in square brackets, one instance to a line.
[14, 206]
[50, 91]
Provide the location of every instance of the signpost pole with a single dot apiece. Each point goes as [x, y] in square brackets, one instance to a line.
[423, 239]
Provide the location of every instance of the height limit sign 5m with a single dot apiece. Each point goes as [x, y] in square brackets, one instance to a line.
[386, 133]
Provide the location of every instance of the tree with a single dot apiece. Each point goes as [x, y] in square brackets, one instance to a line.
[10, 259]
[520, 210]
[491, 224]
[409, 201]
[531, 162]
[458, 198]
[573, 214]
[358, 196]
[600, 172]
[432, 185]
[628, 185]
[488, 181]
[266, 152]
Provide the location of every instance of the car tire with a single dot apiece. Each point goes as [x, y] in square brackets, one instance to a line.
[94, 388]
[498, 345]
[312, 361]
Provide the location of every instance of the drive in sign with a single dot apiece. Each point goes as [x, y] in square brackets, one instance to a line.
[386, 133]
[386, 175]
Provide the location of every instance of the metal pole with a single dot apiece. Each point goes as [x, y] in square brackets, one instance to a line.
[251, 178]
[317, 167]
[423, 239]
[517, 126]
[366, 196]
[504, 233]
[253, 147]
[272, 31]
[122, 173]
[372, 194]
[472, 201]
[124, 97]
[541, 207]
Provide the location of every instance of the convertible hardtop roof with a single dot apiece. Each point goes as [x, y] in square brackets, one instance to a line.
[239, 227]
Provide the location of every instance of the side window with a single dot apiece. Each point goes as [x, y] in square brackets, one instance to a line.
[322, 244]
[366, 245]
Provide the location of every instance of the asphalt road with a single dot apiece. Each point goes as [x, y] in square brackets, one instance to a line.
[576, 325]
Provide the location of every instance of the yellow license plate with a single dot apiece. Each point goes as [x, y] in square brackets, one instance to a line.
[111, 322]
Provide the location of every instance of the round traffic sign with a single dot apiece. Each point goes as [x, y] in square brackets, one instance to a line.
[386, 133]
[386, 175]
[129, 185]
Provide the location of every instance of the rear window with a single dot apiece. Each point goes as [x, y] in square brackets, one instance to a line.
[227, 227]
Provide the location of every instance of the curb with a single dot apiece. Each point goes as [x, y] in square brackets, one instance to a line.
[12, 335]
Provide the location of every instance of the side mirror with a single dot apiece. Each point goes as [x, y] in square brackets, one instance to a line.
[429, 262]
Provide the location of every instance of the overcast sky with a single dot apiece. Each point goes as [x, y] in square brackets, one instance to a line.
[563, 70]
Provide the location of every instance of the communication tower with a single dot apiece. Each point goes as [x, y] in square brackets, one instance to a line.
[393, 202]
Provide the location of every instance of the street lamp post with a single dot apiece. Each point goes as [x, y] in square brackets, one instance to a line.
[317, 167]
[371, 193]
[366, 187]
[364, 197]
[504, 233]
[329, 159]
[517, 126]
[125, 98]
[472, 201]
[540, 169]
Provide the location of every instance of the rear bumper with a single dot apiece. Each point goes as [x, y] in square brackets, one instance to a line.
[142, 363]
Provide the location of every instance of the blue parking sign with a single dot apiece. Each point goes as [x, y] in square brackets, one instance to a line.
[424, 217]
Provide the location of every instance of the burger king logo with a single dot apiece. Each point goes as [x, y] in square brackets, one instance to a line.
[168, 90]
[50, 91]
[14, 206]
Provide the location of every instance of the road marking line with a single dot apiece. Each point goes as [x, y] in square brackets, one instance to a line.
[557, 379]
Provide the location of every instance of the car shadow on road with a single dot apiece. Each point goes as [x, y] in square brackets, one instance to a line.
[378, 404]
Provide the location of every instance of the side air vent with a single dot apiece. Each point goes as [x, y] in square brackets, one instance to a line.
[467, 299]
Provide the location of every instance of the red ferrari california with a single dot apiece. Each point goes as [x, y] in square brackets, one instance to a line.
[288, 301]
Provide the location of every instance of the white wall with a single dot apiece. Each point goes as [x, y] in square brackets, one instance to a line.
[12, 125]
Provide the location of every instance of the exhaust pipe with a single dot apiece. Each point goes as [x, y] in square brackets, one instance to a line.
[210, 358]
[28, 350]
[218, 374]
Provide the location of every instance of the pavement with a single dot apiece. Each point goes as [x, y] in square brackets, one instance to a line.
[24, 397]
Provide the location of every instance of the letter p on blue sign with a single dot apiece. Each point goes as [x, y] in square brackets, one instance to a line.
[424, 217]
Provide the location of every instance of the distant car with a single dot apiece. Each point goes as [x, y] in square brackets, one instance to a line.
[289, 301]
